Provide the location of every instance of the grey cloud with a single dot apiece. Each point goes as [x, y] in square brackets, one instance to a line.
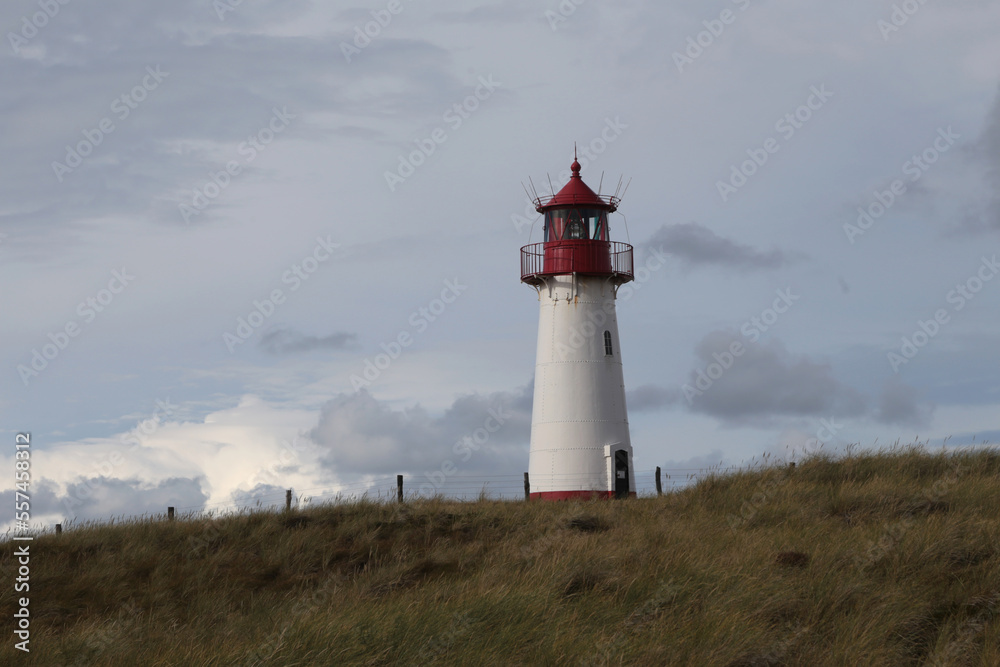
[288, 341]
[678, 470]
[987, 147]
[982, 213]
[649, 397]
[988, 150]
[368, 436]
[900, 404]
[698, 245]
[513, 12]
[103, 497]
[766, 381]
[225, 77]
[359, 132]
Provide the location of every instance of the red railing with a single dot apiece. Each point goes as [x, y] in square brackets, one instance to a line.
[587, 199]
[603, 258]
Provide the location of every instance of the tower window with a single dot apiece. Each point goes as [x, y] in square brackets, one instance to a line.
[608, 350]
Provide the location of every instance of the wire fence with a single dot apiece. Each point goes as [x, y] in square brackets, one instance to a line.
[455, 487]
[510, 487]
[399, 487]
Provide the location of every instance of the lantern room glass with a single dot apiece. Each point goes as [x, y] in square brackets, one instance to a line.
[564, 224]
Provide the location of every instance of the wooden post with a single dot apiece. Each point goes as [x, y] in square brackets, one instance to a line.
[527, 487]
[170, 513]
[399, 488]
[288, 500]
[659, 482]
[58, 529]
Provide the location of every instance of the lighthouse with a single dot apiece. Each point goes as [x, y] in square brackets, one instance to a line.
[580, 446]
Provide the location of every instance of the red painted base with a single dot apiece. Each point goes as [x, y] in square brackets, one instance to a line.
[576, 495]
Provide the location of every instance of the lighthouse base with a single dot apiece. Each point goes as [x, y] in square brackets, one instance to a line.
[575, 495]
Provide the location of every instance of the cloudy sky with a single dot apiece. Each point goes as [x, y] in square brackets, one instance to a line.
[216, 216]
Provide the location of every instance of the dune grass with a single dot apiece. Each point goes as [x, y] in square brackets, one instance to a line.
[888, 558]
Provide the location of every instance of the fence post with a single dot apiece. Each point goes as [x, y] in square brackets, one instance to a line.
[659, 482]
[288, 500]
[58, 529]
[170, 513]
[527, 487]
[399, 488]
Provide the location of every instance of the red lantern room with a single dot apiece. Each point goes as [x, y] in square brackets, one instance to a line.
[576, 236]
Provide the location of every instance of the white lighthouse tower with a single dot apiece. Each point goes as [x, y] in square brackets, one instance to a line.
[580, 446]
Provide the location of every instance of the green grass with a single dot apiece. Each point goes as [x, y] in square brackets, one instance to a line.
[889, 558]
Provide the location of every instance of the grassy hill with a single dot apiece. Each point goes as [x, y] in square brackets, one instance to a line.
[876, 559]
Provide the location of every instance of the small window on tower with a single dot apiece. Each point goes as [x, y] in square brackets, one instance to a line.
[608, 350]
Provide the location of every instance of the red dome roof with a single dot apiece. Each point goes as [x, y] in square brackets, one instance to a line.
[578, 194]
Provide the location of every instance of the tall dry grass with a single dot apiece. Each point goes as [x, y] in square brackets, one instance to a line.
[889, 558]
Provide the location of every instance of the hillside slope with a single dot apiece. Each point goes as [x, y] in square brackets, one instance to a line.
[878, 559]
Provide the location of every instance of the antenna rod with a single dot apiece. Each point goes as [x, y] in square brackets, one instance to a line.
[526, 193]
[626, 187]
[533, 190]
[551, 189]
[599, 184]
